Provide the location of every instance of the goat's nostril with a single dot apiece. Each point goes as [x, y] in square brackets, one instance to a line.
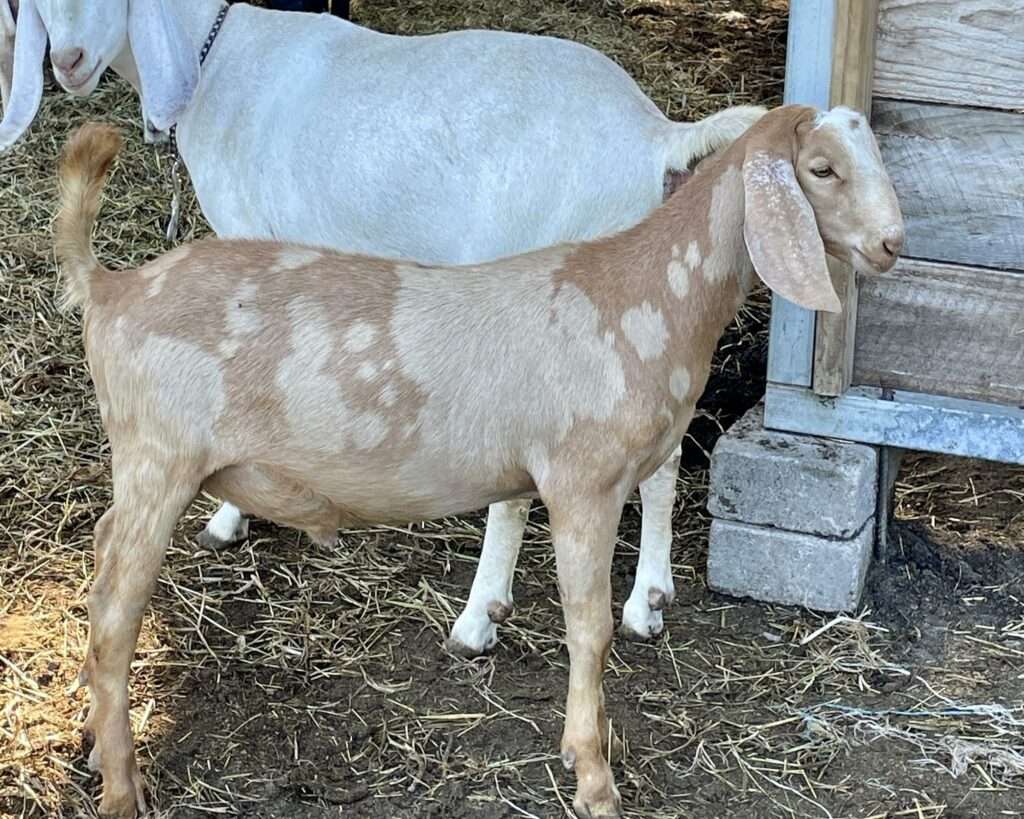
[892, 245]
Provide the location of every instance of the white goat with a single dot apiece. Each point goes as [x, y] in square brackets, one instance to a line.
[456, 148]
[368, 408]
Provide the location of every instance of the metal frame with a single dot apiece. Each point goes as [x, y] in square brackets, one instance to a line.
[865, 414]
[909, 420]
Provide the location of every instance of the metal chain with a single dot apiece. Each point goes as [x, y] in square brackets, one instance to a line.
[176, 163]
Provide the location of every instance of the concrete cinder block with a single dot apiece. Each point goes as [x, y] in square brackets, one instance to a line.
[794, 568]
[799, 483]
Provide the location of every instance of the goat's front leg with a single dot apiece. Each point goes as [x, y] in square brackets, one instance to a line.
[130, 542]
[653, 588]
[583, 531]
[490, 598]
[227, 526]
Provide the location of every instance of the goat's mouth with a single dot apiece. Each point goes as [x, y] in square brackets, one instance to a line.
[868, 266]
[80, 87]
[860, 261]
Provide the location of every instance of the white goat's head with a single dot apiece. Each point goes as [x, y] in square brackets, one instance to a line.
[815, 183]
[85, 38]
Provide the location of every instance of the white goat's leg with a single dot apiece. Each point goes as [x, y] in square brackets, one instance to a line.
[227, 526]
[490, 598]
[130, 542]
[583, 532]
[653, 588]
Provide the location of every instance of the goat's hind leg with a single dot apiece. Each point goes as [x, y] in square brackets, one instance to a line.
[490, 598]
[131, 539]
[653, 588]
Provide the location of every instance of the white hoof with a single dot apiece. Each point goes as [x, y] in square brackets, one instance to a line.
[476, 632]
[223, 530]
[641, 616]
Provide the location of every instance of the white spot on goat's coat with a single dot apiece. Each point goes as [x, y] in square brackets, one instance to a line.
[679, 383]
[850, 128]
[312, 395]
[313, 398]
[241, 318]
[680, 268]
[839, 117]
[553, 325]
[155, 286]
[188, 382]
[576, 319]
[360, 336]
[369, 431]
[293, 258]
[644, 327]
[156, 271]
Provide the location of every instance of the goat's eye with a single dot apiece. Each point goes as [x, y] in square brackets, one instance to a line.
[823, 172]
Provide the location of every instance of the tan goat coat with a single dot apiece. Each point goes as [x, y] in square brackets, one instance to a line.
[321, 390]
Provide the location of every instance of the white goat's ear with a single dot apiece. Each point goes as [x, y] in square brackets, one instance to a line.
[7, 26]
[168, 65]
[26, 91]
[781, 232]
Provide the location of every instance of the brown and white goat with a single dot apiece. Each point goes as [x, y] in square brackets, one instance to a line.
[357, 390]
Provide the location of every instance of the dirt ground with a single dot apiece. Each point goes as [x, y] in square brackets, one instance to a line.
[282, 679]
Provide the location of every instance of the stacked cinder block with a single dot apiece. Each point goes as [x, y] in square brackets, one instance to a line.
[794, 516]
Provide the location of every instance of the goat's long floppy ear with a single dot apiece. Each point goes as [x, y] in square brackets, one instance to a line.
[7, 26]
[780, 230]
[168, 65]
[26, 91]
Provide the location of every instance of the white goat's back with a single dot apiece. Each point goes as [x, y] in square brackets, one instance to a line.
[451, 148]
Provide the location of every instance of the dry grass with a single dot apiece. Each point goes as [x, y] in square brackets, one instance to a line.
[279, 679]
[964, 505]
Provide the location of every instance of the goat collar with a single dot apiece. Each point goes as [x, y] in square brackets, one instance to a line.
[172, 223]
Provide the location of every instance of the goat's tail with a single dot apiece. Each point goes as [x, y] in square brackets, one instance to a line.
[84, 164]
[691, 141]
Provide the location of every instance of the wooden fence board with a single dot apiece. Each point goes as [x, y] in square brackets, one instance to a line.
[943, 329]
[959, 174]
[965, 52]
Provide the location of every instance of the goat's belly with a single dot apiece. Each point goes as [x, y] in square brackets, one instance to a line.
[323, 499]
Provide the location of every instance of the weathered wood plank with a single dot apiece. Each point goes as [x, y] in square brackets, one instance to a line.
[836, 334]
[959, 174]
[943, 329]
[965, 52]
[853, 53]
[951, 426]
[853, 59]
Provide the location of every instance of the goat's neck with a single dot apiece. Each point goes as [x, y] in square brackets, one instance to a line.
[689, 261]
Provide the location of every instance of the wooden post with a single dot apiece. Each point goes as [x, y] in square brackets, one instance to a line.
[808, 80]
[853, 64]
